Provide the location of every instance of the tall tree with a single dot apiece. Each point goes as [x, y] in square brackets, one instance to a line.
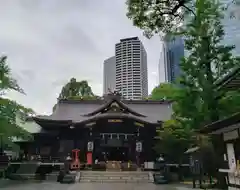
[207, 62]
[76, 89]
[165, 91]
[208, 58]
[155, 16]
[10, 110]
[161, 16]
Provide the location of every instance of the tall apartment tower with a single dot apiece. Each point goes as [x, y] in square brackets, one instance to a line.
[109, 75]
[131, 69]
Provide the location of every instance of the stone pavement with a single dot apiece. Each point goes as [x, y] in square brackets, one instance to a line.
[87, 186]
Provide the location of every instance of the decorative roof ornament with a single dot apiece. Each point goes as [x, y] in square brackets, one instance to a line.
[115, 92]
[112, 95]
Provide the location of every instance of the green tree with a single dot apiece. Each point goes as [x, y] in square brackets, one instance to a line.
[76, 89]
[173, 135]
[208, 60]
[229, 103]
[10, 110]
[164, 17]
[165, 91]
[156, 16]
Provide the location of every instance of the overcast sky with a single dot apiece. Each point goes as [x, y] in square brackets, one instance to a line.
[48, 42]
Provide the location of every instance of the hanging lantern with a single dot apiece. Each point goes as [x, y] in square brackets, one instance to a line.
[90, 146]
[138, 146]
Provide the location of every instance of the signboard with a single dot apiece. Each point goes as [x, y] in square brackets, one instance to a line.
[230, 135]
[231, 156]
[90, 146]
[114, 121]
[138, 146]
[90, 124]
[139, 124]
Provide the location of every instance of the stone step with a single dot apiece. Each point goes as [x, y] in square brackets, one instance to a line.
[116, 177]
[110, 173]
[113, 181]
[122, 172]
[130, 176]
[52, 177]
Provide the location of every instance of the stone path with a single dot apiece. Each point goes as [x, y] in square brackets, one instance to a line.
[16, 185]
[85, 186]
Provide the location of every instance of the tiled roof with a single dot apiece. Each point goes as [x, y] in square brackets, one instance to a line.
[72, 111]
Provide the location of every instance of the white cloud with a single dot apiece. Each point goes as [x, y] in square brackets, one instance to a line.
[47, 42]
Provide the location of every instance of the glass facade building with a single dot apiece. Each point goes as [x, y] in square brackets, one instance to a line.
[172, 53]
[232, 26]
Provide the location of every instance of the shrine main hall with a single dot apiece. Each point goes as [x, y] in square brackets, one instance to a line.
[109, 128]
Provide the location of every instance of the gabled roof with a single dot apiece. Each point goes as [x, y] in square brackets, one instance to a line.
[71, 112]
[104, 108]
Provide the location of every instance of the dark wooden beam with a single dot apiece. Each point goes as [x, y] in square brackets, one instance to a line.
[224, 123]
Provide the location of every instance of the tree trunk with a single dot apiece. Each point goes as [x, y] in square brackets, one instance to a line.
[219, 151]
[214, 116]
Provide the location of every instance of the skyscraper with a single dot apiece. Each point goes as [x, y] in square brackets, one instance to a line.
[231, 26]
[172, 52]
[109, 75]
[131, 68]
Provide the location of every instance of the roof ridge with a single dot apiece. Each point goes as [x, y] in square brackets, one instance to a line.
[120, 103]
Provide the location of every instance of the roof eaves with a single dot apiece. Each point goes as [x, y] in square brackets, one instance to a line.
[228, 78]
[118, 116]
[231, 120]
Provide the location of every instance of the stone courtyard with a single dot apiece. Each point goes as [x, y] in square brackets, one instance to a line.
[86, 186]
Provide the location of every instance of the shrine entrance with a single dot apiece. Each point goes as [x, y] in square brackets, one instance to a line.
[115, 147]
[116, 154]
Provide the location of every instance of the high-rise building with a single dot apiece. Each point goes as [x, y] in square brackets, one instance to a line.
[162, 62]
[172, 51]
[131, 68]
[171, 55]
[231, 26]
[109, 75]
